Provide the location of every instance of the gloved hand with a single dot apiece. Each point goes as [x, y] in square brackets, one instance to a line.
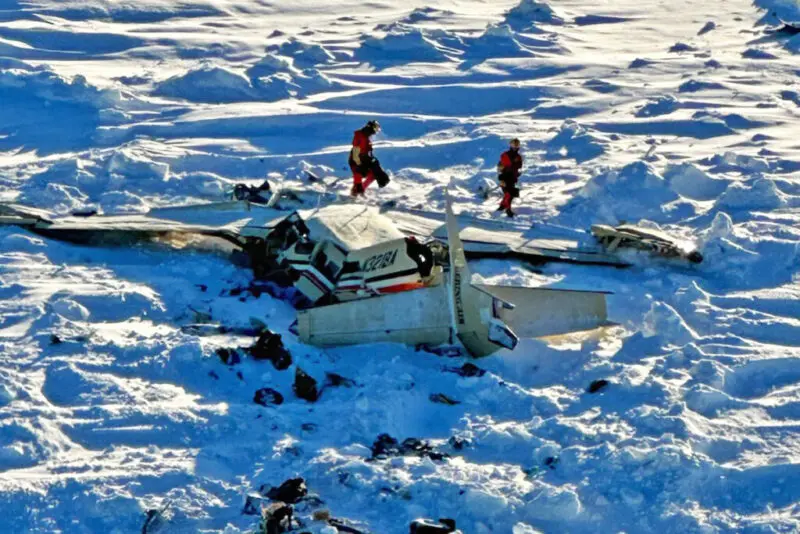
[503, 184]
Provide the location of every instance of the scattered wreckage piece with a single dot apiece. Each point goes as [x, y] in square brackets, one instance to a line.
[155, 518]
[343, 525]
[291, 491]
[269, 346]
[267, 397]
[386, 446]
[289, 500]
[430, 526]
[598, 385]
[468, 370]
[441, 398]
[612, 238]
[261, 194]
[276, 518]
[305, 386]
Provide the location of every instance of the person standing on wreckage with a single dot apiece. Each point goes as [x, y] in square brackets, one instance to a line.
[366, 169]
[508, 172]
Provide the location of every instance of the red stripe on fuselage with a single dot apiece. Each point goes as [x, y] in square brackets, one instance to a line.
[397, 288]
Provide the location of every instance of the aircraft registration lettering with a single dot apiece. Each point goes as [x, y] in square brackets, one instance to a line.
[459, 304]
[380, 261]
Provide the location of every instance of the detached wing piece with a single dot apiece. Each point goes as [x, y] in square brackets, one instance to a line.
[232, 221]
[18, 215]
[490, 239]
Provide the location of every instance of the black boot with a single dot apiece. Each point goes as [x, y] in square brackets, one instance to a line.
[509, 212]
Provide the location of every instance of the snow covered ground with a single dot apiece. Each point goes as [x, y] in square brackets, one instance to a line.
[683, 114]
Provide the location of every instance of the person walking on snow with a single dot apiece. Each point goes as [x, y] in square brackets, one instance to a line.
[508, 172]
[361, 159]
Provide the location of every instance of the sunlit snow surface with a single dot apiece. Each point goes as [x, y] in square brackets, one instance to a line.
[681, 113]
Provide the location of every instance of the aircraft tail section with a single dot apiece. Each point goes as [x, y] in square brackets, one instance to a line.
[474, 313]
[540, 312]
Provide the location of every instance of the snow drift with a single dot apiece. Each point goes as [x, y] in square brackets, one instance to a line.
[529, 12]
[403, 44]
[633, 192]
[208, 83]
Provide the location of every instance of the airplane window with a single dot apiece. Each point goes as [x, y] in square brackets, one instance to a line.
[319, 260]
[331, 270]
[350, 267]
[304, 247]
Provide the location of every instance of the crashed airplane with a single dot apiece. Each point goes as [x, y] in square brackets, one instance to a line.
[449, 307]
[368, 275]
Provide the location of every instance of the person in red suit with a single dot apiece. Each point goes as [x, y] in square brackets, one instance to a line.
[362, 162]
[508, 172]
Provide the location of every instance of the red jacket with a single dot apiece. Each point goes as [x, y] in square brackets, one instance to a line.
[364, 145]
[361, 140]
[510, 166]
